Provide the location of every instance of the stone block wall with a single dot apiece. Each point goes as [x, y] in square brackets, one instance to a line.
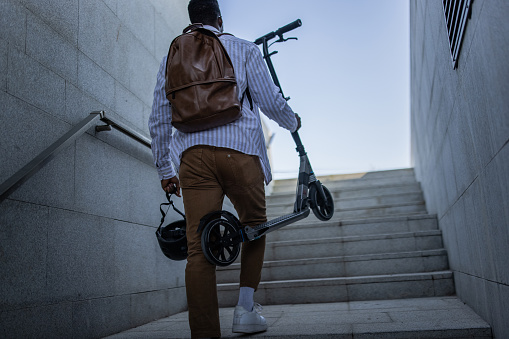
[78, 254]
[460, 136]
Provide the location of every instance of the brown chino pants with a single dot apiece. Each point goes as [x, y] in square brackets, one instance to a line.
[207, 174]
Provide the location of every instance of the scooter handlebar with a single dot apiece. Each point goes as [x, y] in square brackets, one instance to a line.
[280, 31]
[289, 27]
[267, 37]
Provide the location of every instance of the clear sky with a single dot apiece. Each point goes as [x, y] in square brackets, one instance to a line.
[348, 78]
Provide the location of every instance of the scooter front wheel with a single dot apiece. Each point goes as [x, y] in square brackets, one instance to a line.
[322, 205]
[218, 242]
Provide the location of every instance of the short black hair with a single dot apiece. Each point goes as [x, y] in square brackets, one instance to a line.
[203, 11]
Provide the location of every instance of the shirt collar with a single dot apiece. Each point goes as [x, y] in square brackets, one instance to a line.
[212, 28]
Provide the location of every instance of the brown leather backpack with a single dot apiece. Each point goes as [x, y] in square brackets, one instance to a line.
[200, 81]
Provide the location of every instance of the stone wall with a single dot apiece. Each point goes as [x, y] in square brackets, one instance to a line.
[78, 254]
[460, 135]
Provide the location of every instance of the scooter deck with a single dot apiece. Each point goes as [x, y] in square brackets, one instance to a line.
[253, 233]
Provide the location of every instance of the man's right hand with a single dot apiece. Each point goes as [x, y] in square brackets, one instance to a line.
[299, 125]
[171, 186]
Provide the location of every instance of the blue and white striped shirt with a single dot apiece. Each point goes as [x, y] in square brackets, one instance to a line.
[244, 135]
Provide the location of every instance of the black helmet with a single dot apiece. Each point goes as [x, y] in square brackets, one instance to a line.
[172, 240]
[172, 237]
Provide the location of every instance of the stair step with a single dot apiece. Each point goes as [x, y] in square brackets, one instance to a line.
[418, 318]
[345, 266]
[326, 290]
[290, 185]
[398, 173]
[359, 213]
[353, 245]
[333, 228]
[359, 203]
[401, 173]
[284, 198]
[345, 193]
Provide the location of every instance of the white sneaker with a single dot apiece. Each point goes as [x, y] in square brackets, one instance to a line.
[248, 322]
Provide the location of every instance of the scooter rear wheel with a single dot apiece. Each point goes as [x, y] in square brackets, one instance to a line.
[218, 244]
[323, 210]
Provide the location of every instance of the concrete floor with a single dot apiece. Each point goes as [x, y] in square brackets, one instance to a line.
[438, 317]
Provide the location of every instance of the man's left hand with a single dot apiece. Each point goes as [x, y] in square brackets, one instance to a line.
[171, 185]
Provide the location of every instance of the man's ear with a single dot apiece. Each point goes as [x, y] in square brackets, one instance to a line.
[220, 21]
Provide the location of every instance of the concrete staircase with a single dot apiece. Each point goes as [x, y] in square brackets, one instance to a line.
[380, 244]
[378, 269]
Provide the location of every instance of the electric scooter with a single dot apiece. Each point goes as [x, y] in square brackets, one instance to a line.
[223, 232]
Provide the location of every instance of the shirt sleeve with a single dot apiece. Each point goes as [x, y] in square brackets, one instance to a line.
[266, 94]
[160, 128]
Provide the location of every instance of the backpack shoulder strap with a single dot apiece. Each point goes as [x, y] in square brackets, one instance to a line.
[246, 92]
[191, 28]
[249, 98]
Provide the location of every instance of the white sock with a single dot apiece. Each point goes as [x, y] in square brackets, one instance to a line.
[246, 298]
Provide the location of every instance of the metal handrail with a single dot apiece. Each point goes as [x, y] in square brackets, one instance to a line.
[18, 178]
[122, 128]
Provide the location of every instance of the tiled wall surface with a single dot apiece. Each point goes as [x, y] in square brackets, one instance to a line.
[460, 135]
[78, 254]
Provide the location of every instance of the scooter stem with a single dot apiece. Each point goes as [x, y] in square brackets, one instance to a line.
[298, 143]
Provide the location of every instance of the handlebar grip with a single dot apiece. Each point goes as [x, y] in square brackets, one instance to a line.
[280, 31]
[267, 37]
[289, 27]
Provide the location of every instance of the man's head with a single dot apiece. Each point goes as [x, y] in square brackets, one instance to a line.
[205, 12]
